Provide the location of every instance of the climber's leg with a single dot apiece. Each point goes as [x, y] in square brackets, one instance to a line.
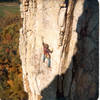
[49, 62]
[44, 58]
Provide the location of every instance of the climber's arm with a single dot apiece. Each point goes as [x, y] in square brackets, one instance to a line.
[43, 41]
[50, 51]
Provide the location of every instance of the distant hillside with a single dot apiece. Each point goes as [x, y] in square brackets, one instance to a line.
[9, 0]
[8, 9]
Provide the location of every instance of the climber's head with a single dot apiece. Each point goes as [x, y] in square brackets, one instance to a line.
[46, 46]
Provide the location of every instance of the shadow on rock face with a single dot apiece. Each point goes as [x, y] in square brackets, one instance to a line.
[83, 77]
[55, 90]
[86, 59]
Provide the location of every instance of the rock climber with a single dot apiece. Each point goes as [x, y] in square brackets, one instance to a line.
[46, 54]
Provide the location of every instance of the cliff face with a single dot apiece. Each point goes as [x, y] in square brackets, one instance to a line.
[70, 28]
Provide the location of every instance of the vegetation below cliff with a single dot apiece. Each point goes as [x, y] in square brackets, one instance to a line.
[11, 86]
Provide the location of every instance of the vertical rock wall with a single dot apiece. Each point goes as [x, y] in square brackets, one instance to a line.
[63, 25]
[86, 60]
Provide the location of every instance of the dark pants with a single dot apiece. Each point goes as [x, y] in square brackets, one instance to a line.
[49, 60]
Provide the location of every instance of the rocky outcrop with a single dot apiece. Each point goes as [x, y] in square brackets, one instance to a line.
[68, 27]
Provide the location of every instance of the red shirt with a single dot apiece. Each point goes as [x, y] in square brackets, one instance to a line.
[46, 51]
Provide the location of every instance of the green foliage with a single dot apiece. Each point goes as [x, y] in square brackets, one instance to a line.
[11, 85]
[9, 44]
